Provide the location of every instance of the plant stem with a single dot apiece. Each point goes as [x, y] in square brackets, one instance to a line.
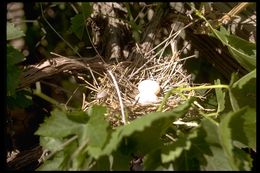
[175, 90]
[48, 99]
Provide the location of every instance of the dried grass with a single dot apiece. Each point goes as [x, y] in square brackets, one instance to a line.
[167, 70]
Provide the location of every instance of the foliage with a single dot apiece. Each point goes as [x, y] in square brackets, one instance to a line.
[14, 98]
[13, 32]
[243, 51]
[84, 140]
[214, 145]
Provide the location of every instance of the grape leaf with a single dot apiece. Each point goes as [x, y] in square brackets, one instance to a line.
[206, 152]
[152, 161]
[245, 79]
[241, 89]
[78, 116]
[13, 32]
[13, 72]
[120, 161]
[101, 164]
[96, 130]
[227, 130]
[220, 97]
[58, 125]
[53, 164]
[19, 99]
[241, 50]
[86, 9]
[78, 25]
[50, 143]
[243, 126]
[173, 151]
[136, 137]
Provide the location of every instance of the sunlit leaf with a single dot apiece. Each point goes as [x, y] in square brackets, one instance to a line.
[243, 92]
[53, 164]
[243, 125]
[242, 51]
[173, 151]
[220, 94]
[226, 132]
[58, 125]
[13, 32]
[206, 150]
[154, 123]
[96, 130]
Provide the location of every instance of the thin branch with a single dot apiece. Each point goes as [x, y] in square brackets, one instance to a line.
[57, 32]
[119, 96]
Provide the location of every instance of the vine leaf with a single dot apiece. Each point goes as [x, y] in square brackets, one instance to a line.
[220, 95]
[244, 87]
[173, 151]
[58, 126]
[230, 130]
[96, 131]
[78, 25]
[243, 52]
[139, 131]
[13, 72]
[206, 151]
[13, 32]
[86, 9]
[243, 126]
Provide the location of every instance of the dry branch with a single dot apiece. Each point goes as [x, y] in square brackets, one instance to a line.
[50, 67]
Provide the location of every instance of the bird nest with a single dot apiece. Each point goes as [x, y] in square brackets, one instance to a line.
[118, 87]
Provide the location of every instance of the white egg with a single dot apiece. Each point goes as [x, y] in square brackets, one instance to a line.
[149, 86]
[145, 98]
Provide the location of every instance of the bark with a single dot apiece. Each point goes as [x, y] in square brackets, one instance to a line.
[50, 67]
[25, 160]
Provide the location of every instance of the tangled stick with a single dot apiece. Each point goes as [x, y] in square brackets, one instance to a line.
[50, 67]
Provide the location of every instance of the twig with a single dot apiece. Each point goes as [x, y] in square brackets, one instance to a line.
[119, 96]
[57, 32]
[71, 97]
[61, 147]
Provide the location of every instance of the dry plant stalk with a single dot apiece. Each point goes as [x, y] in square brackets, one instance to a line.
[167, 70]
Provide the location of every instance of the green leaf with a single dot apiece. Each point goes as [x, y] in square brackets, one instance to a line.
[58, 125]
[13, 56]
[78, 116]
[51, 143]
[96, 130]
[221, 35]
[207, 150]
[13, 71]
[136, 137]
[86, 9]
[242, 51]
[19, 99]
[13, 32]
[245, 79]
[101, 164]
[241, 89]
[227, 130]
[78, 25]
[152, 161]
[52, 164]
[173, 151]
[220, 97]
[120, 161]
[243, 126]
